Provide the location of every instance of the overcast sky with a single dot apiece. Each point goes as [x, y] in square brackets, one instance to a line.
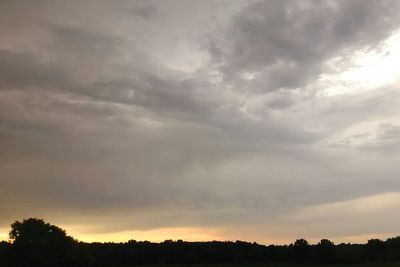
[262, 121]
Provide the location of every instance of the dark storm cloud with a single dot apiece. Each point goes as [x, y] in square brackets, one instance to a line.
[117, 111]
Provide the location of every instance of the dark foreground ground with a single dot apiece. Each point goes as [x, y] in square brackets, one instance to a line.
[383, 264]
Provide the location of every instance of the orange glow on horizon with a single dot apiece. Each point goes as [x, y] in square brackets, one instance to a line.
[193, 234]
[153, 235]
[3, 234]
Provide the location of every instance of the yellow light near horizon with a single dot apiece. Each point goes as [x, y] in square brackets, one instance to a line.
[193, 234]
[154, 235]
[3, 234]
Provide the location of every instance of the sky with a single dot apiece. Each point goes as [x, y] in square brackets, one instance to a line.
[262, 121]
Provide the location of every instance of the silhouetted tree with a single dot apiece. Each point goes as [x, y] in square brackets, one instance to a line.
[4, 253]
[375, 250]
[393, 248]
[326, 251]
[36, 243]
[301, 250]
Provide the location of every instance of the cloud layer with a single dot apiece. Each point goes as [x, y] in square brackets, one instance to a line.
[234, 117]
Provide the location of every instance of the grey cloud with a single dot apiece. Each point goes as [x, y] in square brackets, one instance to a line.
[145, 12]
[287, 42]
[185, 98]
[19, 69]
[170, 97]
[81, 42]
[387, 140]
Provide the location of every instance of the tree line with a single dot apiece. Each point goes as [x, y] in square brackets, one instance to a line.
[34, 242]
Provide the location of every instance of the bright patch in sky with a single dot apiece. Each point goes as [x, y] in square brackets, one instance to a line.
[185, 58]
[368, 69]
[3, 234]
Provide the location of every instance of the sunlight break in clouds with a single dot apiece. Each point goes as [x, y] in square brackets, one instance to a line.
[367, 69]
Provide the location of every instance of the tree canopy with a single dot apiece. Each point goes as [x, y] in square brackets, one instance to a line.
[36, 243]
